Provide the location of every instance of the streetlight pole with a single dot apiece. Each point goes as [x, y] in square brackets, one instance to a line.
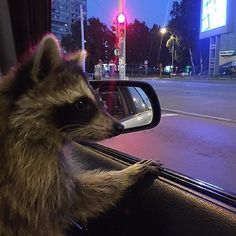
[122, 43]
[163, 31]
[159, 51]
[172, 53]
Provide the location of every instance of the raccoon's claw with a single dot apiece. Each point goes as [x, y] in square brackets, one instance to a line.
[142, 174]
[150, 164]
[156, 164]
[143, 170]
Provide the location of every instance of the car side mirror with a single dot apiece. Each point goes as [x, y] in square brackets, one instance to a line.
[134, 103]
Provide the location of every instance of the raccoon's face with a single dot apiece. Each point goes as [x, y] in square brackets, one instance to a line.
[80, 114]
[57, 99]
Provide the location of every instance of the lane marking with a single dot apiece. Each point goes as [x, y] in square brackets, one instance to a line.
[198, 115]
[168, 115]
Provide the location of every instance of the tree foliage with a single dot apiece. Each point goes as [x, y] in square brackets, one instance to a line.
[138, 42]
[144, 43]
[185, 22]
[155, 49]
[99, 41]
[173, 44]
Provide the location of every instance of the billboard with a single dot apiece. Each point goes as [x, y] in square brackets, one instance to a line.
[217, 17]
[214, 14]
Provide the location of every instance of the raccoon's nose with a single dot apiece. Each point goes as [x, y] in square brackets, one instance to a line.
[118, 128]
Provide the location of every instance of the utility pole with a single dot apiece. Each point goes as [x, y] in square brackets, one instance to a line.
[172, 54]
[82, 35]
[121, 40]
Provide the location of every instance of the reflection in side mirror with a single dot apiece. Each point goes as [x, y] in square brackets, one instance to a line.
[130, 105]
[134, 103]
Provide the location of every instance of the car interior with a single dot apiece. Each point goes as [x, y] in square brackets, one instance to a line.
[174, 205]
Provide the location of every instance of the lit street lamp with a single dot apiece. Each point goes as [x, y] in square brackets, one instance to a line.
[163, 30]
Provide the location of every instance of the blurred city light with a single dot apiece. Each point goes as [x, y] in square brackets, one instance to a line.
[121, 18]
[163, 30]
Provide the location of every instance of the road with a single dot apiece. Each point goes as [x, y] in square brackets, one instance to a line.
[197, 132]
[212, 98]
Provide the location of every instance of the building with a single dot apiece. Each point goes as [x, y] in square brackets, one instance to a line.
[64, 13]
[218, 23]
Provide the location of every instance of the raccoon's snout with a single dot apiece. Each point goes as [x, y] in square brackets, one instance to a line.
[118, 128]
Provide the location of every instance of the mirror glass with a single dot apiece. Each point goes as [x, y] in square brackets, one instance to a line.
[130, 105]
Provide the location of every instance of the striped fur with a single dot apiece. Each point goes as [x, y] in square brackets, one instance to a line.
[46, 104]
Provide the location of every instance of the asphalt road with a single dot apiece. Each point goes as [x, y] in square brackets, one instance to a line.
[210, 97]
[197, 132]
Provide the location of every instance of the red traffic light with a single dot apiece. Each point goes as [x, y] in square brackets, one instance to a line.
[121, 18]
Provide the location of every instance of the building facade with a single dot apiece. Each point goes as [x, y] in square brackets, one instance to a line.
[64, 13]
[218, 23]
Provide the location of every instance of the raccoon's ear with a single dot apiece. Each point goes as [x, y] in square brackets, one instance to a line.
[78, 57]
[47, 56]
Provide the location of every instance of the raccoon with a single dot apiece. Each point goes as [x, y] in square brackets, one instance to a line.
[46, 104]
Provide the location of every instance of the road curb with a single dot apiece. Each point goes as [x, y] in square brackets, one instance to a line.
[189, 79]
[199, 115]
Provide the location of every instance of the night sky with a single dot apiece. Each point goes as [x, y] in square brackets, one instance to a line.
[150, 11]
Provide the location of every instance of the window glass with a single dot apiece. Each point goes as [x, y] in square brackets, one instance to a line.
[189, 57]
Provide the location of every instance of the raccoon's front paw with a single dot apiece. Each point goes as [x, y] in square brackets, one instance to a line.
[145, 171]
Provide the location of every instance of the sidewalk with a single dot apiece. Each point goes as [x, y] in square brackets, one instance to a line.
[188, 78]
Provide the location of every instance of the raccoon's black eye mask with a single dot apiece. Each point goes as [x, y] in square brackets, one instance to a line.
[83, 104]
[80, 113]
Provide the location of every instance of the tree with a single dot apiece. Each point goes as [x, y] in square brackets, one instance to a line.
[185, 22]
[72, 42]
[156, 43]
[99, 42]
[142, 43]
[173, 44]
[138, 42]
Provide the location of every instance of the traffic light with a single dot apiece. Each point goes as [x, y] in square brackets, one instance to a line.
[121, 25]
[121, 18]
[119, 51]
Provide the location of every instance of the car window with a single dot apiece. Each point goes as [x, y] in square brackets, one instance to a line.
[189, 56]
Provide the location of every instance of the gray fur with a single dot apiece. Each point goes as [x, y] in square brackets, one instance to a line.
[40, 191]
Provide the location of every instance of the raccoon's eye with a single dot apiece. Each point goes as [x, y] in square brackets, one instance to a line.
[82, 104]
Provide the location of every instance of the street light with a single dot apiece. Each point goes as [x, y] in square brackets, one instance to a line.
[121, 18]
[163, 30]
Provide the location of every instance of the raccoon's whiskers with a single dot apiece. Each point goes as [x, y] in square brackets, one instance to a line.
[71, 126]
